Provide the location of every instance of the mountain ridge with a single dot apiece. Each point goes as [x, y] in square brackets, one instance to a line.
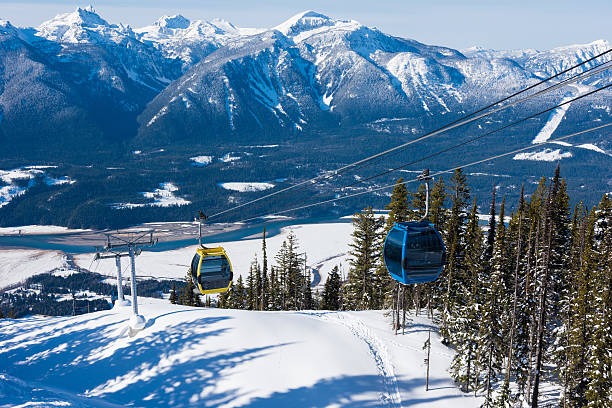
[329, 91]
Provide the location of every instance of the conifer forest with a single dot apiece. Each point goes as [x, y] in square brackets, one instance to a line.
[525, 297]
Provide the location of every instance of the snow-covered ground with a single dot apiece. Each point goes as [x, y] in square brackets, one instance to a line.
[164, 196]
[246, 187]
[201, 161]
[26, 173]
[38, 229]
[326, 245]
[16, 265]
[223, 358]
[548, 155]
[227, 158]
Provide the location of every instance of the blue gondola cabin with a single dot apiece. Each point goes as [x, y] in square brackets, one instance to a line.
[414, 252]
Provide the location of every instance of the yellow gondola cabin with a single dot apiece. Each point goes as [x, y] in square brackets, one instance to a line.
[211, 270]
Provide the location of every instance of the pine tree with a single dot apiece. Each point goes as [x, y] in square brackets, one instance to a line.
[491, 233]
[581, 330]
[555, 254]
[197, 301]
[496, 312]
[465, 326]
[188, 295]
[330, 299]
[516, 236]
[273, 298]
[173, 297]
[239, 295]
[528, 318]
[225, 298]
[289, 274]
[307, 295]
[417, 204]
[264, 274]
[453, 275]
[398, 207]
[599, 373]
[252, 285]
[566, 354]
[365, 251]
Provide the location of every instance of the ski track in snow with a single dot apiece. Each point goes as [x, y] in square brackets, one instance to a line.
[392, 396]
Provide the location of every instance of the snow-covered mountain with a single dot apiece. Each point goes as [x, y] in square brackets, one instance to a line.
[313, 72]
[309, 73]
[208, 87]
[190, 41]
[549, 62]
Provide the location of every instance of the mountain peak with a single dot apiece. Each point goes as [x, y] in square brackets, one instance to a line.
[78, 26]
[304, 21]
[175, 21]
[86, 17]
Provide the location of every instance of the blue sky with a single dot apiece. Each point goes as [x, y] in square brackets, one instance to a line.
[500, 24]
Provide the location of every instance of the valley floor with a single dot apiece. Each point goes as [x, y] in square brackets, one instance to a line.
[224, 358]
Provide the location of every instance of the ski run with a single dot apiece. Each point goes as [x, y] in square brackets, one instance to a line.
[189, 356]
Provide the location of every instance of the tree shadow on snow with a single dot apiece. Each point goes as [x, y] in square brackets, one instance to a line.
[172, 367]
[362, 391]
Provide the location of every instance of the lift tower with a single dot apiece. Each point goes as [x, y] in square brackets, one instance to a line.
[128, 243]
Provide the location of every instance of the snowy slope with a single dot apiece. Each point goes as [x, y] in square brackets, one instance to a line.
[16, 265]
[224, 358]
[325, 244]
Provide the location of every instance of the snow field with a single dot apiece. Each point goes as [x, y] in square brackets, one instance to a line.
[201, 161]
[12, 190]
[224, 358]
[326, 245]
[164, 196]
[16, 265]
[548, 155]
[246, 187]
[38, 229]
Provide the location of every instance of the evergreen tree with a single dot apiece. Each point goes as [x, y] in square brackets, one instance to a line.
[365, 251]
[554, 256]
[273, 298]
[173, 296]
[225, 298]
[581, 329]
[308, 299]
[290, 276]
[516, 236]
[264, 274]
[417, 204]
[491, 233]
[453, 274]
[495, 311]
[239, 295]
[197, 300]
[466, 324]
[188, 295]
[599, 390]
[330, 299]
[252, 285]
